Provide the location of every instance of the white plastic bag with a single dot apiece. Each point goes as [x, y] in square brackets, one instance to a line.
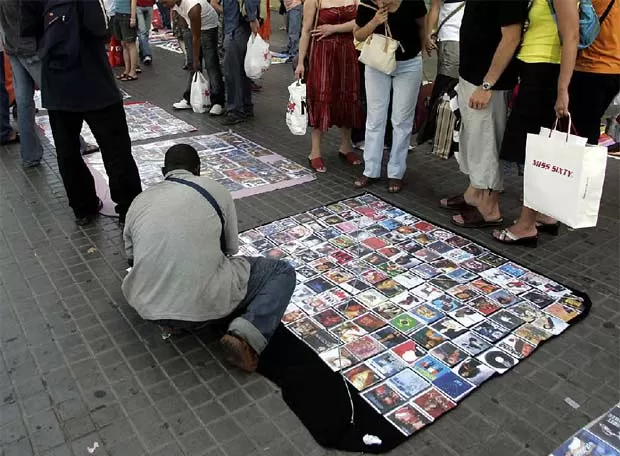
[296, 111]
[200, 94]
[257, 57]
[563, 177]
[37, 100]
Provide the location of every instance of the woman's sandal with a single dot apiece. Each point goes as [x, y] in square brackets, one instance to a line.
[548, 228]
[129, 78]
[350, 157]
[395, 185]
[317, 164]
[455, 203]
[121, 76]
[472, 218]
[364, 181]
[505, 236]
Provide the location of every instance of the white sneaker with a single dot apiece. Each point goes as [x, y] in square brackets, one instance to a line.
[216, 110]
[183, 104]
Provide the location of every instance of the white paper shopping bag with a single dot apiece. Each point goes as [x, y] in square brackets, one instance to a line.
[563, 177]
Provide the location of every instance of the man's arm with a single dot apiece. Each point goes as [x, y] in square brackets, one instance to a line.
[431, 22]
[195, 24]
[231, 226]
[252, 10]
[511, 36]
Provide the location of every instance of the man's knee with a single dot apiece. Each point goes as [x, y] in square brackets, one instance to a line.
[289, 276]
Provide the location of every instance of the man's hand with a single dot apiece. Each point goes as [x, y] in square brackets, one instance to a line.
[196, 67]
[480, 99]
[254, 26]
[132, 22]
[430, 44]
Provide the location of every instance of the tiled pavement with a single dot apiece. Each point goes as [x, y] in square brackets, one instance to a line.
[79, 366]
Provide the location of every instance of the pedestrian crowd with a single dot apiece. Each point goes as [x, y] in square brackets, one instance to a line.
[513, 67]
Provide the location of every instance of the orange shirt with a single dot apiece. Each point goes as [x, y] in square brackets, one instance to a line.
[604, 54]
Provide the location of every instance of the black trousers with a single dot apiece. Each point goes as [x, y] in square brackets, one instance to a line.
[109, 126]
[590, 95]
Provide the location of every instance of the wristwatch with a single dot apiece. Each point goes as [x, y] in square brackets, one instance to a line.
[487, 85]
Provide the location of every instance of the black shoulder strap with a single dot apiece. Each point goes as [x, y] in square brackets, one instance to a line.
[449, 16]
[607, 10]
[211, 200]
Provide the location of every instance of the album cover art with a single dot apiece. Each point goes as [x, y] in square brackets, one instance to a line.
[409, 351]
[304, 327]
[462, 275]
[329, 318]
[463, 292]
[484, 305]
[389, 337]
[427, 291]
[474, 371]
[292, 313]
[362, 376]
[407, 301]
[449, 354]
[355, 286]
[390, 288]
[428, 338]
[404, 322]
[426, 271]
[453, 386]
[533, 334]
[554, 325]
[449, 328]
[607, 427]
[430, 368]
[526, 311]
[516, 346]
[484, 286]
[407, 419]
[383, 398]
[365, 347]
[371, 298]
[507, 320]
[387, 310]
[434, 403]
[370, 322]
[351, 309]
[387, 364]
[408, 280]
[446, 303]
[406, 261]
[471, 343]
[466, 316]
[348, 332]
[490, 331]
[585, 444]
[498, 360]
[408, 383]
[338, 358]
[321, 341]
[426, 313]
[512, 269]
[575, 302]
[562, 311]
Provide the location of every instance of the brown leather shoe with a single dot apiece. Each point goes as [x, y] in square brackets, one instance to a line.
[239, 353]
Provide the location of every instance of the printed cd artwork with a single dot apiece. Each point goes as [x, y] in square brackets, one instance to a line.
[243, 167]
[413, 316]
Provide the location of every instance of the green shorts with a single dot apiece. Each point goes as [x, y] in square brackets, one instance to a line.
[122, 30]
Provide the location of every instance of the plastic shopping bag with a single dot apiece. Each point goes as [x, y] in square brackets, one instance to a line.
[563, 177]
[296, 112]
[115, 53]
[200, 95]
[257, 57]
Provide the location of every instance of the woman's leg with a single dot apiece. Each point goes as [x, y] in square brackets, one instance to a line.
[317, 135]
[126, 58]
[345, 141]
[377, 100]
[406, 85]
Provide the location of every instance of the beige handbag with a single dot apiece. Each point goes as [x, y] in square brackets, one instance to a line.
[379, 51]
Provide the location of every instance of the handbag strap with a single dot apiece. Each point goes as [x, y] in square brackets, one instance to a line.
[450, 16]
[316, 22]
[386, 26]
[203, 191]
[607, 11]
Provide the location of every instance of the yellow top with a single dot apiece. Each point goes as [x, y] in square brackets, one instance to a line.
[541, 42]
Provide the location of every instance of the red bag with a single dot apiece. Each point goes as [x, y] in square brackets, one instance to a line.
[115, 53]
[157, 22]
[8, 79]
[423, 105]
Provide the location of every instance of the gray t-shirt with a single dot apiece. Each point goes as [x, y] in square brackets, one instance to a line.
[173, 235]
[208, 15]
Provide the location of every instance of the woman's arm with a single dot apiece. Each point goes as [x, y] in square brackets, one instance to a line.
[361, 33]
[310, 11]
[432, 19]
[567, 14]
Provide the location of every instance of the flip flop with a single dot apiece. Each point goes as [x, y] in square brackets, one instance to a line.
[455, 203]
[129, 78]
[506, 236]
[364, 181]
[473, 219]
[395, 185]
[121, 76]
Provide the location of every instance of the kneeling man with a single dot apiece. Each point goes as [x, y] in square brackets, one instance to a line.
[180, 236]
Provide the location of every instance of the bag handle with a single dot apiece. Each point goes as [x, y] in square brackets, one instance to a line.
[316, 22]
[571, 127]
[448, 17]
[606, 13]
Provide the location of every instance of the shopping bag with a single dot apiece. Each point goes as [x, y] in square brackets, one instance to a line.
[296, 112]
[115, 53]
[563, 177]
[200, 95]
[257, 57]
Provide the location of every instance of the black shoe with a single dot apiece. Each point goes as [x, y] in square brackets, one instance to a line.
[232, 119]
[89, 218]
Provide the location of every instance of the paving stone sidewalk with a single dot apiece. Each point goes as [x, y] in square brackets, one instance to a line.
[80, 368]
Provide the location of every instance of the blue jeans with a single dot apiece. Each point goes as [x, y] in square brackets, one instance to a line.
[5, 116]
[405, 83]
[211, 59]
[165, 15]
[257, 317]
[269, 292]
[238, 85]
[144, 16]
[27, 74]
[293, 27]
